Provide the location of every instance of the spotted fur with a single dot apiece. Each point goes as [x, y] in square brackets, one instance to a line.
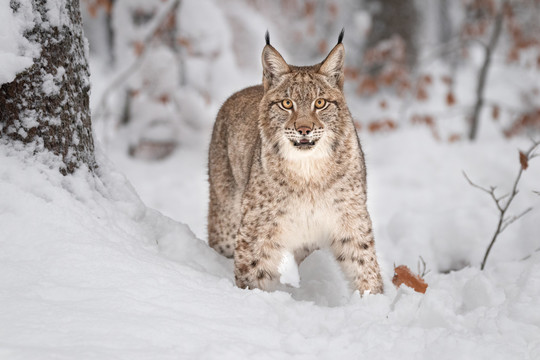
[290, 180]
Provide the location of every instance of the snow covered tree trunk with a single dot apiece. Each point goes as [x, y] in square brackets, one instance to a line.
[46, 106]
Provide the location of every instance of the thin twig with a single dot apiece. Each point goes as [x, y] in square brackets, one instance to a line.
[422, 267]
[503, 206]
[475, 185]
[529, 256]
[509, 221]
[491, 192]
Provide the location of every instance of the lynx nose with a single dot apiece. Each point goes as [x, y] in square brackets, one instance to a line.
[304, 130]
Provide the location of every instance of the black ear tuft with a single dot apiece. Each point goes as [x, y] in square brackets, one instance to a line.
[341, 34]
[267, 37]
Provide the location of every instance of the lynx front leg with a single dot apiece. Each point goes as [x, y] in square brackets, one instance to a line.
[256, 260]
[355, 253]
[222, 224]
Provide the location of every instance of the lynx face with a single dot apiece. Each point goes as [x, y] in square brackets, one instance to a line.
[304, 114]
[300, 110]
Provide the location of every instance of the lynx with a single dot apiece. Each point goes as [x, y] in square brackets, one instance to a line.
[287, 175]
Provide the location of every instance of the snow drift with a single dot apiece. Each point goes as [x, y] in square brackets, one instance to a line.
[88, 271]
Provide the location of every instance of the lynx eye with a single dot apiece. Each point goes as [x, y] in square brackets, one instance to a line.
[320, 103]
[287, 104]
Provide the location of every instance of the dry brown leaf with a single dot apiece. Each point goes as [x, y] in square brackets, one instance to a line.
[309, 8]
[333, 11]
[92, 10]
[454, 138]
[495, 112]
[323, 46]
[450, 99]
[446, 79]
[94, 5]
[523, 160]
[403, 275]
[427, 79]
[367, 86]
[138, 47]
[164, 99]
[351, 73]
[421, 94]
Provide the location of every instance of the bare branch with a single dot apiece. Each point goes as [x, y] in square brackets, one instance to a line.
[503, 197]
[491, 192]
[475, 185]
[509, 221]
[504, 222]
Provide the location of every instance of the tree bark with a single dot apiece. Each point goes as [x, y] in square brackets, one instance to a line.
[46, 107]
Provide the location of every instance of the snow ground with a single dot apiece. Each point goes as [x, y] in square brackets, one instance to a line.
[88, 271]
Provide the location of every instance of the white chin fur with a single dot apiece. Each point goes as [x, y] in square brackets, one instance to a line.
[307, 162]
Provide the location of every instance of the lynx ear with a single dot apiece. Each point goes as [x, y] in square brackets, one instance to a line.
[273, 64]
[332, 66]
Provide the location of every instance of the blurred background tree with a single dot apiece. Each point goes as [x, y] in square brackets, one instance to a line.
[444, 65]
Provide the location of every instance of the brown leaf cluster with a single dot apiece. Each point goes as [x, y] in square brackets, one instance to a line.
[382, 125]
[524, 122]
[422, 86]
[523, 37]
[429, 121]
[480, 14]
[390, 57]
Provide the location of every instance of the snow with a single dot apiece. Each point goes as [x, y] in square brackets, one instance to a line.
[289, 270]
[88, 269]
[16, 52]
[50, 82]
[56, 15]
[116, 265]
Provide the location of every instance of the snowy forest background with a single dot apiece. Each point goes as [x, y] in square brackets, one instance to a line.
[108, 258]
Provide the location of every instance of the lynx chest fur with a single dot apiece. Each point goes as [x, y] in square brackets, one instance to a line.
[287, 175]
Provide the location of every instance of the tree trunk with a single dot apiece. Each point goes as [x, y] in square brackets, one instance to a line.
[391, 18]
[46, 107]
[482, 77]
[110, 34]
